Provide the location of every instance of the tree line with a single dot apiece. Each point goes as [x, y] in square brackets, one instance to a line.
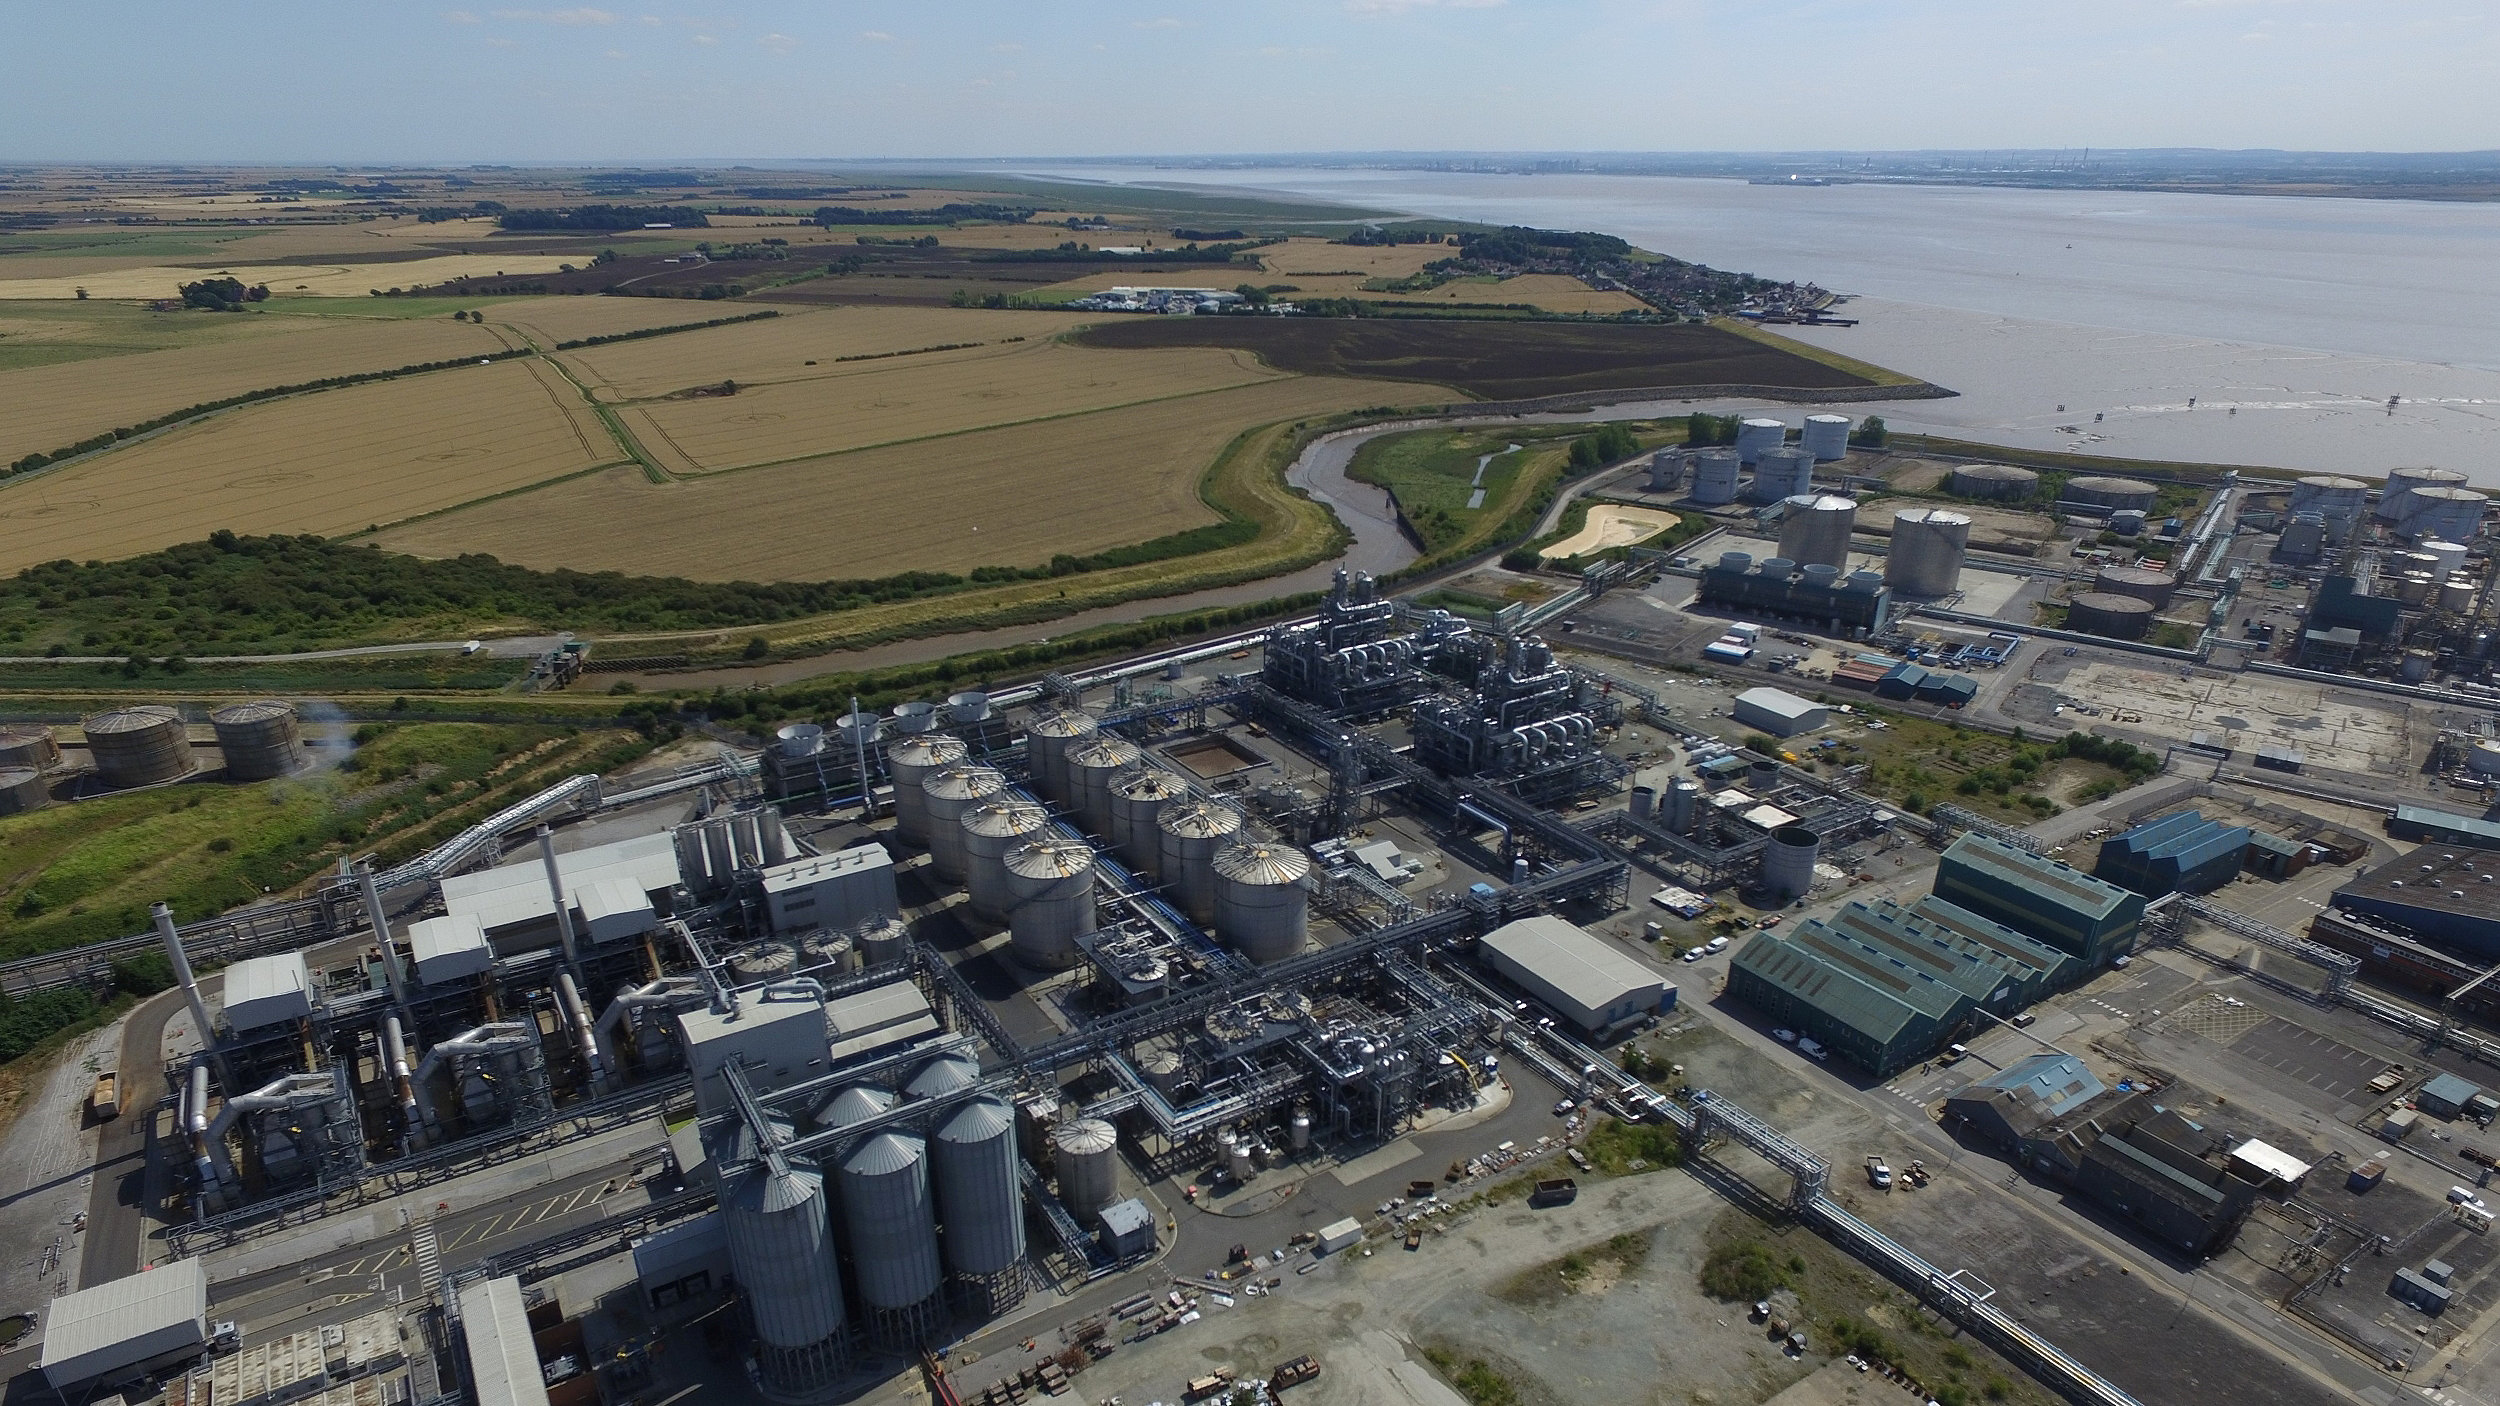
[582, 217]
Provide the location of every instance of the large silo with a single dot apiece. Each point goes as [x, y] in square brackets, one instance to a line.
[950, 792]
[2103, 491]
[1092, 765]
[1816, 528]
[259, 739]
[1050, 900]
[946, 1074]
[1714, 477]
[1262, 900]
[1788, 862]
[2402, 482]
[29, 747]
[2450, 514]
[2143, 583]
[1137, 797]
[991, 828]
[2109, 615]
[781, 1249]
[1666, 471]
[1826, 437]
[22, 789]
[2330, 496]
[1753, 436]
[852, 1107]
[1781, 473]
[1928, 545]
[910, 760]
[2447, 558]
[980, 1204]
[1188, 834]
[1086, 1151]
[1047, 739]
[1997, 483]
[893, 1236]
[139, 746]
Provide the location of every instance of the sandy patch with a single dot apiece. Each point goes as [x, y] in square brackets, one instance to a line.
[1612, 525]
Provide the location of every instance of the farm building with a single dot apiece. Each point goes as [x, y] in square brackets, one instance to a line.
[1777, 712]
[2178, 853]
[1582, 978]
[2039, 897]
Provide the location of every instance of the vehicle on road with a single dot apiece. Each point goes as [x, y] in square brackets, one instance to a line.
[1772, 921]
[1784, 1035]
[1811, 1050]
[1878, 1175]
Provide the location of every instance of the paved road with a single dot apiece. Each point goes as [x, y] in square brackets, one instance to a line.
[511, 647]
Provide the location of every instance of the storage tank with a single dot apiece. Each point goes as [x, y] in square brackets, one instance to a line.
[1092, 765]
[760, 963]
[2102, 491]
[980, 1203]
[946, 1074]
[1050, 900]
[2456, 594]
[913, 718]
[1754, 436]
[1262, 900]
[835, 951]
[1998, 483]
[1163, 1071]
[2449, 514]
[2140, 582]
[884, 942]
[1788, 862]
[2402, 482]
[910, 760]
[1683, 806]
[886, 1208]
[1714, 477]
[781, 1248]
[1817, 527]
[1048, 738]
[29, 747]
[1928, 545]
[1826, 437]
[2110, 616]
[2483, 758]
[1736, 562]
[139, 746]
[2413, 587]
[2330, 495]
[1085, 1149]
[1666, 470]
[991, 828]
[1188, 834]
[259, 739]
[1781, 473]
[2449, 556]
[949, 792]
[21, 790]
[1137, 797]
[853, 1106]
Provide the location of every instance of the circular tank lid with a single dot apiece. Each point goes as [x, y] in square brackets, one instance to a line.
[1051, 857]
[1827, 418]
[1199, 820]
[2449, 495]
[1934, 517]
[16, 776]
[928, 749]
[1084, 1136]
[2006, 473]
[2137, 576]
[763, 1190]
[2110, 602]
[1795, 837]
[1149, 783]
[2102, 483]
[1765, 423]
[259, 710]
[1822, 503]
[1104, 753]
[943, 1075]
[2335, 482]
[1161, 1062]
[1063, 722]
[1263, 862]
[977, 1121]
[964, 782]
[2427, 475]
[136, 718]
[998, 816]
[883, 1155]
[856, 1104]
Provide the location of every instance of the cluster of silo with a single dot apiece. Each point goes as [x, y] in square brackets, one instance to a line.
[1050, 900]
[1092, 765]
[911, 760]
[1715, 473]
[1928, 547]
[2110, 615]
[947, 794]
[2101, 491]
[1666, 471]
[260, 739]
[892, 1223]
[1189, 834]
[1816, 528]
[2450, 514]
[2401, 484]
[2143, 583]
[1788, 862]
[1997, 483]
[1826, 437]
[26, 753]
[1781, 473]
[143, 745]
[992, 828]
[1048, 739]
[1137, 801]
[1262, 900]
[1757, 435]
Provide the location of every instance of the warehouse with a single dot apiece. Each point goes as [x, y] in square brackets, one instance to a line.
[1985, 974]
[2179, 853]
[2019, 1100]
[516, 907]
[1778, 713]
[2165, 1174]
[2450, 897]
[2041, 898]
[1595, 986]
[126, 1328]
[2423, 825]
[1871, 1009]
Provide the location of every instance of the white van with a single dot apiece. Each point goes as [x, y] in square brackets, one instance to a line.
[1715, 945]
[1811, 1050]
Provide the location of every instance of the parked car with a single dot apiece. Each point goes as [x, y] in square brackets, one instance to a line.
[1878, 1175]
[1784, 1035]
[1692, 954]
[1772, 921]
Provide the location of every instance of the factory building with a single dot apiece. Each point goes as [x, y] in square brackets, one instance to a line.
[2178, 853]
[1912, 682]
[1352, 658]
[1530, 721]
[1585, 980]
[843, 891]
[2424, 825]
[502, 1357]
[1821, 595]
[2041, 898]
[2450, 898]
[1874, 1008]
[1777, 712]
[626, 883]
[126, 1328]
[2170, 1176]
[2010, 1105]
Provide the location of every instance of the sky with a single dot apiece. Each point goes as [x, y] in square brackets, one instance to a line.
[380, 81]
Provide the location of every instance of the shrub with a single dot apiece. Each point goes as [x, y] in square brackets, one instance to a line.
[1742, 1271]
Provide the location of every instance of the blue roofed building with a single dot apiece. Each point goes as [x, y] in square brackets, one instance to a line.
[2015, 1102]
[2178, 853]
[2041, 898]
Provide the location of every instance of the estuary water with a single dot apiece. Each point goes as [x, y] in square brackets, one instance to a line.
[2290, 322]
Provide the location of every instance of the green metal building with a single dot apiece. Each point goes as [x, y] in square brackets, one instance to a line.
[2041, 970]
[2041, 898]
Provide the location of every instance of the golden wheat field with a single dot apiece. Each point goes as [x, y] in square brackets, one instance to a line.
[778, 349]
[50, 406]
[1309, 257]
[1011, 496]
[920, 397]
[328, 463]
[308, 279]
[548, 321]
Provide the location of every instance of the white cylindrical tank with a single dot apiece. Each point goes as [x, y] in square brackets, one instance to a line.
[828, 955]
[781, 1249]
[1237, 1160]
[909, 760]
[1714, 477]
[1779, 474]
[893, 1229]
[2330, 495]
[1092, 764]
[1301, 1134]
[884, 942]
[2449, 556]
[950, 792]
[1826, 437]
[992, 828]
[141, 745]
[1928, 545]
[2483, 759]
[1085, 1150]
[2447, 514]
[979, 1202]
[1137, 797]
[259, 740]
[1188, 834]
[968, 708]
[1683, 806]
[1047, 739]
[1755, 435]
[1788, 862]
[2456, 594]
[2402, 482]
[1050, 898]
[1816, 528]
[1666, 471]
[1736, 562]
[1262, 900]
[1163, 1071]
[763, 962]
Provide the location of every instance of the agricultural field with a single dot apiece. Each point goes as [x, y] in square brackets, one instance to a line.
[332, 462]
[300, 280]
[1011, 496]
[63, 403]
[920, 398]
[547, 321]
[1490, 359]
[1317, 258]
[50, 334]
[779, 349]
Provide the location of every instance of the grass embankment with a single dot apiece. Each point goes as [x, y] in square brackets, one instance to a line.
[1866, 371]
[1433, 477]
[87, 871]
